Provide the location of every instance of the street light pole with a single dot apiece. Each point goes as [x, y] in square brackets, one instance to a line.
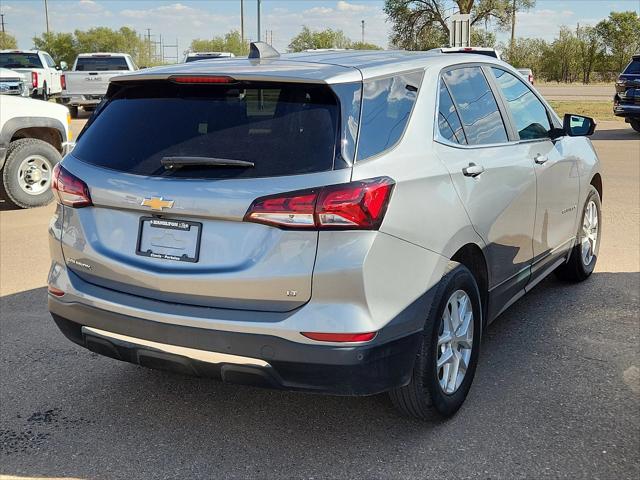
[259, 30]
[242, 22]
[46, 14]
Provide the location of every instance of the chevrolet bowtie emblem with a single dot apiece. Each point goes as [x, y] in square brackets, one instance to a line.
[157, 203]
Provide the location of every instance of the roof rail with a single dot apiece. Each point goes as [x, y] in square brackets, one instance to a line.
[262, 50]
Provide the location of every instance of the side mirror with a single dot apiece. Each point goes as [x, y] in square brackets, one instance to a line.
[577, 125]
[63, 66]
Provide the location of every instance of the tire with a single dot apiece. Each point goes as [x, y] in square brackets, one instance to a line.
[24, 189]
[73, 111]
[424, 397]
[635, 124]
[581, 266]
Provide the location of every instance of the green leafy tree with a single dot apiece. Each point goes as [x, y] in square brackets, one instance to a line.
[525, 53]
[364, 46]
[7, 41]
[61, 46]
[620, 35]
[231, 42]
[309, 39]
[483, 38]
[589, 50]
[419, 24]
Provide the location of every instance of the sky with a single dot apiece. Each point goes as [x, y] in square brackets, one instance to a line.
[184, 20]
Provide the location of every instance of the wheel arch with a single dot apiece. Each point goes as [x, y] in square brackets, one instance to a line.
[596, 181]
[472, 257]
[47, 129]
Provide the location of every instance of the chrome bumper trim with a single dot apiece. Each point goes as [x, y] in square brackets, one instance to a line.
[192, 353]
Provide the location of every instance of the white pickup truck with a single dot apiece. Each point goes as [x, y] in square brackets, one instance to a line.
[41, 72]
[34, 136]
[87, 82]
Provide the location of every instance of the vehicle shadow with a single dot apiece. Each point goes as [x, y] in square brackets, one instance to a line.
[550, 360]
[6, 205]
[625, 132]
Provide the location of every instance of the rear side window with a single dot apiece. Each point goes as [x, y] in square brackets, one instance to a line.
[386, 108]
[476, 105]
[448, 121]
[284, 129]
[633, 68]
[101, 64]
[529, 114]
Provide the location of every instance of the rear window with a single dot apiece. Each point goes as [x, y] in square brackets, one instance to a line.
[284, 129]
[101, 64]
[20, 60]
[633, 68]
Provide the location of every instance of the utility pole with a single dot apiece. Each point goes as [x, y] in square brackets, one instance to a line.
[513, 24]
[149, 43]
[259, 30]
[46, 14]
[362, 22]
[242, 22]
[2, 19]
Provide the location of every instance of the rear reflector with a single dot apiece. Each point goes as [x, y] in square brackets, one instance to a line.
[340, 337]
[357, 205]
[201, 79]
[69, 189]
[56, 292]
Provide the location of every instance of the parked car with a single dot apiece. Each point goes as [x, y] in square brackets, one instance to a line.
[626, 102]
[86, 84]
[338, 222]
[12, 83]
[195, 56]
[33, 138]
[41, 72]
[526, 73]
[489, 52]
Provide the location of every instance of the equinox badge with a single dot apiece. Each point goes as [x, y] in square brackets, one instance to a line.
[157, 203]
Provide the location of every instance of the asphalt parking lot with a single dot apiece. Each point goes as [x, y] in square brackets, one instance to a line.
[556, 395]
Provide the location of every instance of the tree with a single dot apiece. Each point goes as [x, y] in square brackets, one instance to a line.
[61, 46]
[231, 42]
[516, 6]
[483, 38]
[364, 46]
[589, 47]
[620, 34]
[525, 53]
[309, 39]
[417, 23]
[7, 41]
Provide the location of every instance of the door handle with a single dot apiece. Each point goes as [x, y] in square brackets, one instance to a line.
[540, 159]
[472, 170]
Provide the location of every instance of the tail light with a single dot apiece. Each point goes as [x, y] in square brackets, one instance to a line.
[70, 190]
[340, 337]
[202, 79]
[34, 79]
[531, 79]
[357, 205]
[63, 82]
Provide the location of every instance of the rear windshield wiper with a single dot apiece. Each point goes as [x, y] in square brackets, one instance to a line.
[172, 163]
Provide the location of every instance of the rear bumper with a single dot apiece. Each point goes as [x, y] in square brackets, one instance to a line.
[627, 110]
[236, 357]
[80, 100]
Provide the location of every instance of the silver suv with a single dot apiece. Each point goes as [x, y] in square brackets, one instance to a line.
[334, 222]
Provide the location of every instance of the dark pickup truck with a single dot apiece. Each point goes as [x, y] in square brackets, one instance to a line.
[626, 102]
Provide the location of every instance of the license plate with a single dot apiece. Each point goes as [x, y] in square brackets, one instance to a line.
[165, 239]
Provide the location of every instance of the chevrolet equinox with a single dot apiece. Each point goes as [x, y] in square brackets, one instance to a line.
[337, 222]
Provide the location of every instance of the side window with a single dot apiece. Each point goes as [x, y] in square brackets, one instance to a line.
[49, 61]
[529, 114]
[386, 108]
[476, 105]
[448, 120]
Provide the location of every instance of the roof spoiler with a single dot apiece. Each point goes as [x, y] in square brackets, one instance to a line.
[262, 50]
